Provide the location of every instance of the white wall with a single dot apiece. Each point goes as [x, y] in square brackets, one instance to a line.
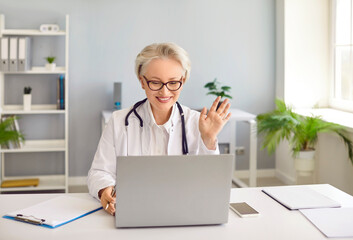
[232, 40]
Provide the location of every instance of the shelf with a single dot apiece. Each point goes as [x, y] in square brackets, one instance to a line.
[35, 109]
[50, 145]
[31, 32]
[52, 182]
[40, 70]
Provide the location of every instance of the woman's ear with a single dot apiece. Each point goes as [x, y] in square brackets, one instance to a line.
[142, 82]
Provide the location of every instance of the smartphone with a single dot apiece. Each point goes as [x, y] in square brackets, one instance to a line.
[243, 209]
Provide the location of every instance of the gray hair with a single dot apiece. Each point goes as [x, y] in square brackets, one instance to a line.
[162, 50]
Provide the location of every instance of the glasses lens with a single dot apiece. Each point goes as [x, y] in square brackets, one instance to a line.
[155, 85]
[174, 85]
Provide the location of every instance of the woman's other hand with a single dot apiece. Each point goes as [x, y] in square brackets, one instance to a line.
[107, 200]
[211, 123]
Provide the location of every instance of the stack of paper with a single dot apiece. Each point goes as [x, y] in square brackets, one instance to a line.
[333, 222]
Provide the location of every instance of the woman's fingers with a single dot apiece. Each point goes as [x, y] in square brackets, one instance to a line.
[107, 201]
[224, 113]
[215, 104]
[223, 106]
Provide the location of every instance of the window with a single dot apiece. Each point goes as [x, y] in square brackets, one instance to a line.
[342, 52]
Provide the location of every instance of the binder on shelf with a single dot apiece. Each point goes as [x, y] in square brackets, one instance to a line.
[57, 211]
[20, 183]
[13, 54]
[24, 54]
[4, 64]
[61, 92]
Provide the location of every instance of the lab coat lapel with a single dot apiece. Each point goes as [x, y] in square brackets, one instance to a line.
[175, 135]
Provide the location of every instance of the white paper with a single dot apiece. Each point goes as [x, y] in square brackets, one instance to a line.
[59, 210]
[300, 197]
[333, 222]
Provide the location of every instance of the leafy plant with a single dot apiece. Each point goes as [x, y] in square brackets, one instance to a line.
[27, 90]
[215, 88]
[50, 59]
[300, 131]
[7, 134]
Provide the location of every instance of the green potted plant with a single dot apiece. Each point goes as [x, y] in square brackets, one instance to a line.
[7, 134]
[50, 63]
[215, 88]
[300, 131]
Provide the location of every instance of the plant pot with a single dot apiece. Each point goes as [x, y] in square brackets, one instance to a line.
[50, 66]
[27, 102]
[305, 163]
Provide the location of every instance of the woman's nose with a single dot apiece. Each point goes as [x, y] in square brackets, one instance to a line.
[164, 90]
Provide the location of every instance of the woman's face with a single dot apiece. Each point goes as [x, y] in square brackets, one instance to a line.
[162, 70]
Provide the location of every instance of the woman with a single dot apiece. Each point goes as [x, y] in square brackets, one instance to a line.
[158, 125]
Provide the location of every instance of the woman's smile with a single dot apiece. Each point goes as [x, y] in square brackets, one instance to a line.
[164, 99]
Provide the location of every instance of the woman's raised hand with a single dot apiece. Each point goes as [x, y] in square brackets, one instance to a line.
[211, 123]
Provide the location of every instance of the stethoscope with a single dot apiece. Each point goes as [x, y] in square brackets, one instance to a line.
[133, 110]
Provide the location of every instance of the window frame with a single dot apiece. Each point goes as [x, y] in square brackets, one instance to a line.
[334, 102]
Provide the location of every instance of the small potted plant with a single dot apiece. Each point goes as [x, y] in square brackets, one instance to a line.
[50, 63]
[215, 88]
[27, 98]
[7, 134]
[300, 131]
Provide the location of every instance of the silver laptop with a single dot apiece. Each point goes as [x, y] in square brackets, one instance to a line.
[173, 190]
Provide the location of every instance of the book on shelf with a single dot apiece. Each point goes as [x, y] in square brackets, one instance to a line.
[60, 104]
[20, 183]
[14, 126]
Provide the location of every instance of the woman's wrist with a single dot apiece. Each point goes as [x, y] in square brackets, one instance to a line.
[210, 143]
[100, 192]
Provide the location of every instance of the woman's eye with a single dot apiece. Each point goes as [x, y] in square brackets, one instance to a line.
[172, 83]
[155, 83]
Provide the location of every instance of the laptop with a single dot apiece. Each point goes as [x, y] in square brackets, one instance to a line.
[173, 190]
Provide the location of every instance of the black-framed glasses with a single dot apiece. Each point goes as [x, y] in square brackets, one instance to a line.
[158, 85]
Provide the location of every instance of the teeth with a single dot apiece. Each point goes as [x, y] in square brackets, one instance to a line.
[164, 99]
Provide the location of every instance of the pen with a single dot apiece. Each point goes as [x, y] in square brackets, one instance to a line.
[113, 192]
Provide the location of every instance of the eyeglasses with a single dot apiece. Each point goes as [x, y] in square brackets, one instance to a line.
[158, 85]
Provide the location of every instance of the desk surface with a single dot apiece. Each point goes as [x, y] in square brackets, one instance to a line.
[275, 221]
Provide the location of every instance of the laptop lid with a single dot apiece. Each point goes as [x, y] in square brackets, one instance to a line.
[173, 190]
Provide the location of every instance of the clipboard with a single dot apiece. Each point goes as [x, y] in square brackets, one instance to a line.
[57, 211]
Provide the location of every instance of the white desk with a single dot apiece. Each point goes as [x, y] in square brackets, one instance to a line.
[228, 135]
[275, 221]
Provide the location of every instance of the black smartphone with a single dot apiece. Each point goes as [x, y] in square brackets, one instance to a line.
[243, 209]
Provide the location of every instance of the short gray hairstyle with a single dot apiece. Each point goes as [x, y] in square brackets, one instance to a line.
[162, 50]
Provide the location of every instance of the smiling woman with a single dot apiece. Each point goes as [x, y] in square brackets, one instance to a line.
[157, 125]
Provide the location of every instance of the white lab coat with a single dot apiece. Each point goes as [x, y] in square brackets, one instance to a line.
[119, 140]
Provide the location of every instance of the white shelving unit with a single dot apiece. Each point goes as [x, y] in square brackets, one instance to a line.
[46, 182]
